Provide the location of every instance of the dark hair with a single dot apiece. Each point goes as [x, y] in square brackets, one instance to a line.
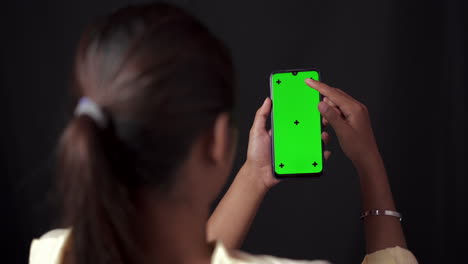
[161, 78]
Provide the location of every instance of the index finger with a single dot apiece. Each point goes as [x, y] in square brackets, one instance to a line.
[342, 101]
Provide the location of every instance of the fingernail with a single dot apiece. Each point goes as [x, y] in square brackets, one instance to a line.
[309, 80]
[323, 107]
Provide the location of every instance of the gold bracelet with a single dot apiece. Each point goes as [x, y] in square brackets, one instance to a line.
[381, 212]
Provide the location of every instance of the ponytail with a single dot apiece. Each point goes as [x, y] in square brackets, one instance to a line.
[97, 205]
[135, 63]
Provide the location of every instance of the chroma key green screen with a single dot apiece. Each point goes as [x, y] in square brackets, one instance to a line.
[296, 124]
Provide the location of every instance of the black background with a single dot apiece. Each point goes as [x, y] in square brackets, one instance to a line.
[406, 60]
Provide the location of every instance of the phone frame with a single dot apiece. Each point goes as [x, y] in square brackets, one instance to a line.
[296, 175]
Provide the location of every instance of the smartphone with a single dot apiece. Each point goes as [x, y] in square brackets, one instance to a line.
[296, 127]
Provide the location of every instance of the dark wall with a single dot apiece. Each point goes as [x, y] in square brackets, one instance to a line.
[406, 60]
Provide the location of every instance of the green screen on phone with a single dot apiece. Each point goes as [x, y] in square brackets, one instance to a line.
[296, 124]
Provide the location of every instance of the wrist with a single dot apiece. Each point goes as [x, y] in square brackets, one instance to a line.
[375, 188]
[256, 176]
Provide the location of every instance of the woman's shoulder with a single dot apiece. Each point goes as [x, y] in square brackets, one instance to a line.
[49, 247]
[391, 255]
[221, 255]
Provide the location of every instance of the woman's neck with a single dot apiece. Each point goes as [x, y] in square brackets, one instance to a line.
[173, 231]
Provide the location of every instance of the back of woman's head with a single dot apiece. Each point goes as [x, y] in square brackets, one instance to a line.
[161, 78]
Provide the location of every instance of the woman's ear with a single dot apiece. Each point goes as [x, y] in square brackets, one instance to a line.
[220, 149]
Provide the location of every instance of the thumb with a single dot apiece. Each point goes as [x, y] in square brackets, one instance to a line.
[261, 116]
[333, 117]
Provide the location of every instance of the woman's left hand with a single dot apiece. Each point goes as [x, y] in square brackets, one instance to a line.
[259, 149]
[234, 214]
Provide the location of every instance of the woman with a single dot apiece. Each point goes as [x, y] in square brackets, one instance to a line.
[152, 143]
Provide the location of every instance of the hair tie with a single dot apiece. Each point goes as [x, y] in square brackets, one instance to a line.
[88, 107]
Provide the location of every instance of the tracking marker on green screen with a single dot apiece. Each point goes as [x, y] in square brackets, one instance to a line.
[296, 124]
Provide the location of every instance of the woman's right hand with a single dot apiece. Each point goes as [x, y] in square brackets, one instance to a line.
[352, 125]
[350, 120]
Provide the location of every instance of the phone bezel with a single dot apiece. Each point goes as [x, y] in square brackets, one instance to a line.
[295, 175]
